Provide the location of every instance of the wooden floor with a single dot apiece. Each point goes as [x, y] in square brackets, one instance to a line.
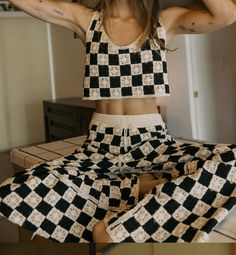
[234, 249]
[44, 249]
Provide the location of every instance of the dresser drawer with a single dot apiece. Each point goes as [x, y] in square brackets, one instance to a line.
[62, 111]
[67, 118]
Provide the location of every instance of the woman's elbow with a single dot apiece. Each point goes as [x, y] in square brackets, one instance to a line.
[230, 18]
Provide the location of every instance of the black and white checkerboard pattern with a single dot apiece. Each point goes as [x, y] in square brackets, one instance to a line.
[113, 71]
[186, 209]
[63, 199]
[56, 201]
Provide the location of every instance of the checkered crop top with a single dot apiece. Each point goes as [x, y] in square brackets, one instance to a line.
[114, 72]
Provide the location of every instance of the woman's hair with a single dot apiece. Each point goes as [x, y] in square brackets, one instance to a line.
[147, 14]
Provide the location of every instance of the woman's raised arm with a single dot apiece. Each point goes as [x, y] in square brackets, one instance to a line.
[70, 15]
[216, 15]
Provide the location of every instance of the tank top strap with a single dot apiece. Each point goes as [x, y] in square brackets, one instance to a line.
[93, 25]
[161, 31]
[160, 22]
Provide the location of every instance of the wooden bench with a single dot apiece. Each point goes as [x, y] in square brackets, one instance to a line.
[23, 158]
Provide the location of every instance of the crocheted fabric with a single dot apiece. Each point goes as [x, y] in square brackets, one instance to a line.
[113, 71]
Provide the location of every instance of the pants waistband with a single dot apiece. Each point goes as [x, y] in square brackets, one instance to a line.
[127, 121]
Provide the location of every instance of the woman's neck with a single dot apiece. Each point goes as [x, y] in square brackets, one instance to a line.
[121, 8]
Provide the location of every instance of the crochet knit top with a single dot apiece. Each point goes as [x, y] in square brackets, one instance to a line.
[115, 72]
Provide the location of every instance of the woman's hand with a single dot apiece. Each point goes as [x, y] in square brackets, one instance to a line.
[70, 15]
[217, 14]
[147, 182]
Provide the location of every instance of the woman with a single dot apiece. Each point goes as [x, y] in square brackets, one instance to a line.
[130, 181]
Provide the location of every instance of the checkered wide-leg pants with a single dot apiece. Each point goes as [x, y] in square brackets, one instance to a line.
[63, 199]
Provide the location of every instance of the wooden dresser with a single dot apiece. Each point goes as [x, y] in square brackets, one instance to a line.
[67, 117]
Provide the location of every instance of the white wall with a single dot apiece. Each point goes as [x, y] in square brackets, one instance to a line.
[68, 59]
[25, 78]
[24, 81]
[214, 61]
[207, 64]
[176, 108]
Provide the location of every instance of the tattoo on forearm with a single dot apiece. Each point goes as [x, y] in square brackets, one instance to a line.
[204, 11]
[187, 29]
[211, 23]
[40, 1]
[58, 12]
[193, 23]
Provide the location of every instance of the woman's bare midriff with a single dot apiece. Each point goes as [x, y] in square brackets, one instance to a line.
[131, 106]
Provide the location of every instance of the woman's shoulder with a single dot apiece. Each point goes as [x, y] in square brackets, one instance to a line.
[168, 17]
[92, 15]
[88, 16]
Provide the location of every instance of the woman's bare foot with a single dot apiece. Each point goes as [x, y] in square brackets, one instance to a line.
[100, 234]
[147, 182]
[6, 182]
